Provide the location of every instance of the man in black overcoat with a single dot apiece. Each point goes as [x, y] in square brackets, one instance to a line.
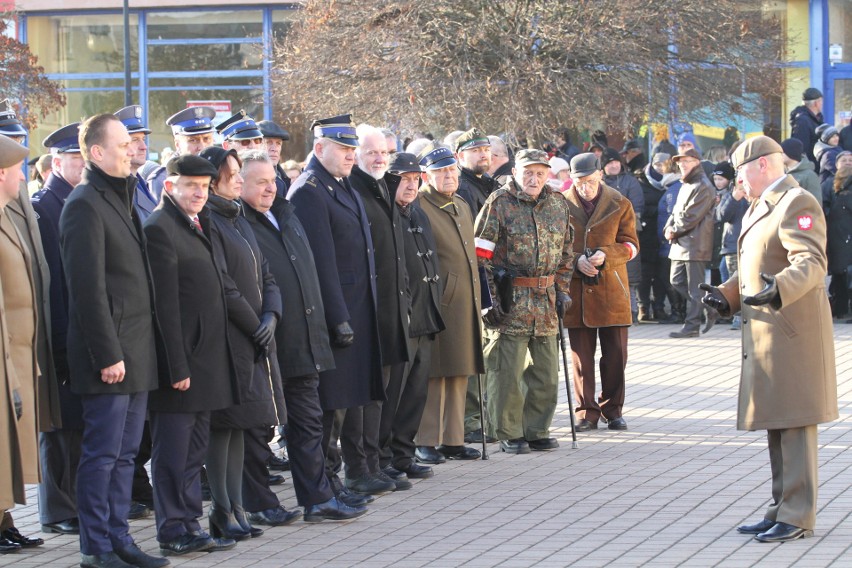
[333, 216]
[200, 376]
[367, 179]
[112, 355]
[302, 340]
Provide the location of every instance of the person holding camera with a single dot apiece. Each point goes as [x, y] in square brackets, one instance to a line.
[523, 230]
[605, 227]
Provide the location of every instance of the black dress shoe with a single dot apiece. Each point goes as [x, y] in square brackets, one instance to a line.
[276, 479]
[584, 425]
[400, 482]
[218, 544]
[684, 333]
[348, 497]
[13, 535]
[8, 547]
[135, 557]
[617, 424]
[138, 511]
[369, 484]
[782, 532]
[274, 517]
[459, 452]
[187, 543]
[68, 526]
[543, 444]
[757, 528]
[105, 560]
[428, 454]
[417, 471]
[332, 510]
[515, 446]
[278, 464]
[475, 437]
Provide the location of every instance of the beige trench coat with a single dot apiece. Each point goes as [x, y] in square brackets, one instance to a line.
[18, 439]
[788, 370]
[457, 350]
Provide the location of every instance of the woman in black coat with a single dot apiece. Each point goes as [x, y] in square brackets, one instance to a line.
[254, 307]
[840, 242]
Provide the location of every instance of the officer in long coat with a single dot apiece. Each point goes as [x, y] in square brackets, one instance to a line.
[59, 448]
[200, 376]
[788, 383]
[393, 300]
[457, 352]
[336, 224]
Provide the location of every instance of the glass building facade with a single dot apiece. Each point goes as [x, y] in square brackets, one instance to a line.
[211, 50]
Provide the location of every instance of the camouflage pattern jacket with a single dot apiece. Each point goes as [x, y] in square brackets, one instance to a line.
[527, 237]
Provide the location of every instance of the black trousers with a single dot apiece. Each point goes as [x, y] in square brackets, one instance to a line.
[402, 411]
[304, 440]
[59, 453]
[655, 278]
[179, 448]
[257, 496]
[142, 490]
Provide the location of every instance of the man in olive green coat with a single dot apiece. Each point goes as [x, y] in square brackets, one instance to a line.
[788, 383]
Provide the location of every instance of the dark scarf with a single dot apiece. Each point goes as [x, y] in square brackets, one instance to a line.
[588, 206]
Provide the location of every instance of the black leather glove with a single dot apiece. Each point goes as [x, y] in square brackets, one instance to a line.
[19, 404]
[495, 317]
[266, 330]
[713, 298]
[563, 303]
[769, 294]
[342, 335]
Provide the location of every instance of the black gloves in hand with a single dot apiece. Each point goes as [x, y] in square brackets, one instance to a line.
[19, 404]
[713, 298]
[266, 330]
[495, 317]
[342, 335]
[769, 294]
[563, 303]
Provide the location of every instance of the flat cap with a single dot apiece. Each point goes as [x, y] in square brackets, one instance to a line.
[434, 157]
[585, 164]
[754, 148]
[217, 156]
[11, 153]
[64, 140]
[811, 94]
[193, 120]
[338, 129]
[793, 148]
[473, 138]
[131, 117]
[239, 126]
[404, 163]
[191, 165]
[10, 124]
[271, 130]
[691, 153]
[529, 156]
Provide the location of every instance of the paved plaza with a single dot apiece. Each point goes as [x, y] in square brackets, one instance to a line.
[668, 492]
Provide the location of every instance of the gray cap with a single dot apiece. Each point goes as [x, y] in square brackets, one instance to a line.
[583, 165]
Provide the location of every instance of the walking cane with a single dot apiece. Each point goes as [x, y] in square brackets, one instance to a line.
[567, 383]
[482, 420]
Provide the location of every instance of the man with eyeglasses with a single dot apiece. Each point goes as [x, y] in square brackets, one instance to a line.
[788, 381]
[240, 132]
[192, 129]
[690, 231]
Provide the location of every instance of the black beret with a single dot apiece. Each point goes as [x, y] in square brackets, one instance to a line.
[217, 156]
[191, 165]
[271, 130]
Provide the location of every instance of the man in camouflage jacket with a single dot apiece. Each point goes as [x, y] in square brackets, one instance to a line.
[523, 237]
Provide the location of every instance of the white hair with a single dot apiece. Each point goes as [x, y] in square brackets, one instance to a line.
[417, 145]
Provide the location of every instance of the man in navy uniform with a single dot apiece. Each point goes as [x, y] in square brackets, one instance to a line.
[60, 448]
[143, 199]
[192, 129]
[240, 132]
[111, 338]
[339, 233]
[274, 137]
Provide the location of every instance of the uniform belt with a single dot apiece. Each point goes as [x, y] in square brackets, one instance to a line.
[534, 281]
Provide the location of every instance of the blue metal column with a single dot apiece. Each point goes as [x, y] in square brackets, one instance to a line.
[267, 63]
[142, 41]
[818, 42]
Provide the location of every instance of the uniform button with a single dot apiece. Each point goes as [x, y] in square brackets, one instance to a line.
[745, 355]
[745, 321]
[308, 311]
[318, 367]
[400, 293]
[465, 242]
[589, 291]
